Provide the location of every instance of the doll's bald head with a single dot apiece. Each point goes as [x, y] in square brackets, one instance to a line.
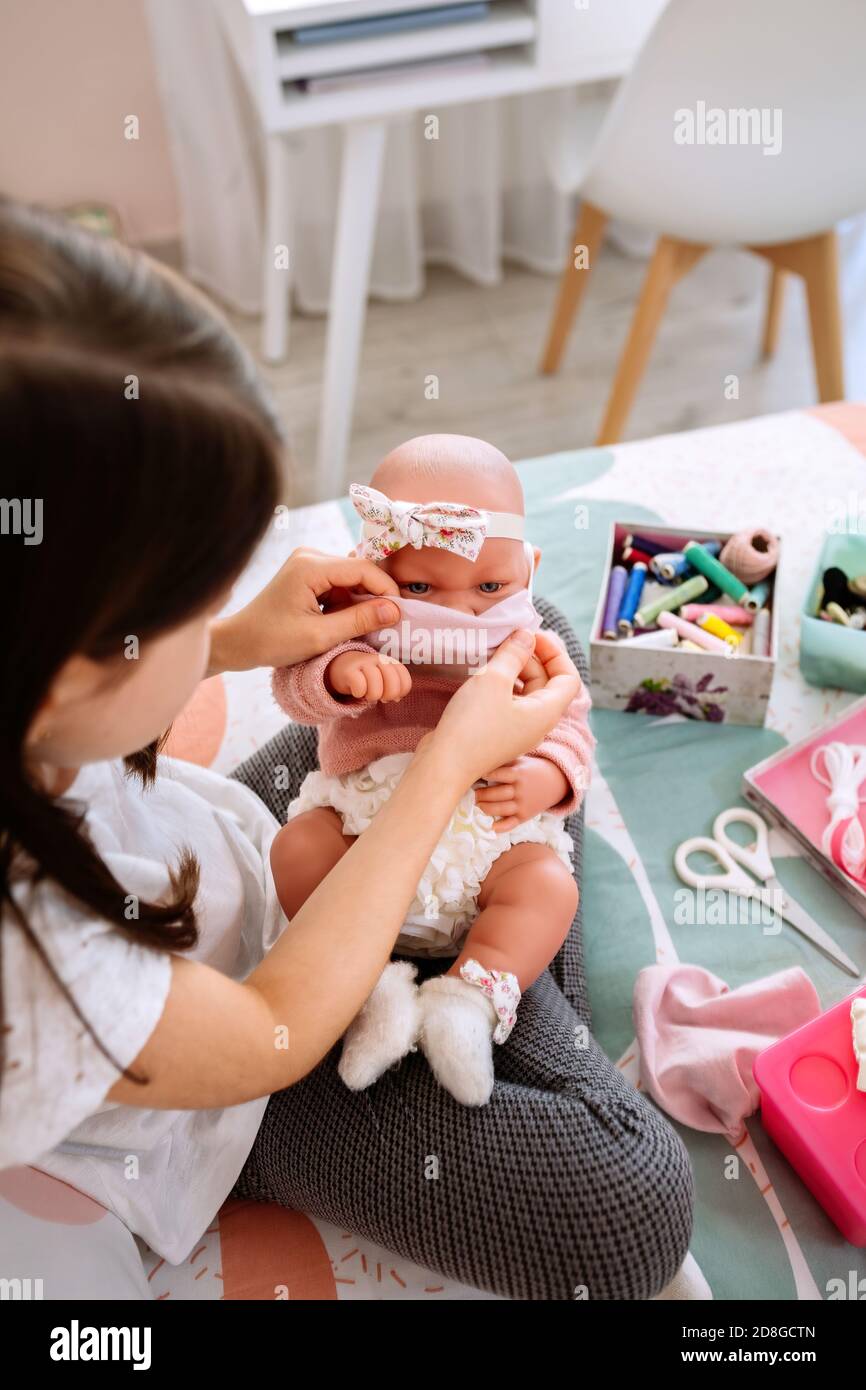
[456, 468]
[450, 468]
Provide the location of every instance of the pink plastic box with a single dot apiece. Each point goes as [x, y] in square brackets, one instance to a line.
[783, 789]
[812, 1109]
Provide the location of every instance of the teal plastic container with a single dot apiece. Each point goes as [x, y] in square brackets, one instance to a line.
[831, 654]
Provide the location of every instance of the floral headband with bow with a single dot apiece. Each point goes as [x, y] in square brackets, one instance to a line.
[456, 526]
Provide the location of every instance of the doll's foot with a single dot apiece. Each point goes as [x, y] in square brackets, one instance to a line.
[457, 1024]
[688, 1284]
[385, 1029]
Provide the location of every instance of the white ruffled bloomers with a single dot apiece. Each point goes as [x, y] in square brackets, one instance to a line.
[444, 905]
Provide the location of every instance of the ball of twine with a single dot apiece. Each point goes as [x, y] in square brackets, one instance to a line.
[751, 555]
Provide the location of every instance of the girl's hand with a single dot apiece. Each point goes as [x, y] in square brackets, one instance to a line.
[368, 676]
[284, 624]
[525, 787]
[486, 723]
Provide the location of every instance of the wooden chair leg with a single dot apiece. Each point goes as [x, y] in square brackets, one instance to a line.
[825, 318]
[588, 232]
[815, 259]
[775, 300]
[671, 260]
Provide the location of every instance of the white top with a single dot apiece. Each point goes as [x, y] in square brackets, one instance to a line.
[165, 1173]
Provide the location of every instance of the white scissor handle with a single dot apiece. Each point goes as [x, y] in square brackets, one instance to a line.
[730, 879]
[754, 857]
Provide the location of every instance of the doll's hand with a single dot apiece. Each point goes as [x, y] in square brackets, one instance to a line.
[528, 786]
[368, 676]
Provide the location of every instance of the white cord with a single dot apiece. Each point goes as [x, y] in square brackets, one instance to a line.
[844, 773]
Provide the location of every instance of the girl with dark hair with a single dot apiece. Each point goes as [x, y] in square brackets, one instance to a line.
[154, 996]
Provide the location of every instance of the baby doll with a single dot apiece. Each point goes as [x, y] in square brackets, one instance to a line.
[444, 517]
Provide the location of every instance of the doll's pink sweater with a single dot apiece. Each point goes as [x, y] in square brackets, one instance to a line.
[352, 733]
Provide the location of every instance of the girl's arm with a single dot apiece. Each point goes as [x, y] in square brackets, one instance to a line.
[220, 1042]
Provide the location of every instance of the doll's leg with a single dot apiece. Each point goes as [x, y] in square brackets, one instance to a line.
[304, 852]
[526, 906]
[528, 902]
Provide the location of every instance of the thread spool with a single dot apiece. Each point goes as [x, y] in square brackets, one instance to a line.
[631, 556]
[675, 564]
[631, 599]
[837, 614]
[713, 569]
[751, 555]
[841, 592]
[711, 622]
[643, 543]
[761, 633]
[757, 597]
[675, 598]
[728, 612]
[669, 567]
[836, 587]
[615, 591]
[690, 633]
[652, 590]
[663, 637]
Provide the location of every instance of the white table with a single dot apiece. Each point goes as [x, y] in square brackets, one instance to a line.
[533, 45]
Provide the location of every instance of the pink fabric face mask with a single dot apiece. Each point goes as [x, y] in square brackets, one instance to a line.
[431, 634]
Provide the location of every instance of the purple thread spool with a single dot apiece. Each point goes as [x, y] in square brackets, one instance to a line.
[615, 591]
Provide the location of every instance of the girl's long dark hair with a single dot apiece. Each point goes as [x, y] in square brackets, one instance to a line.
[131, 416]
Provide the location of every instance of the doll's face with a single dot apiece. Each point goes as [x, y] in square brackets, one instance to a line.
[439, 576]
[457, 468]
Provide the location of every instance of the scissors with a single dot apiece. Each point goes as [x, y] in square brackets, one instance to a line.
[756, 858]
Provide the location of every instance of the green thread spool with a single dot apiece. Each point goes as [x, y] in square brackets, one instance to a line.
[707, 564]
[692, 589]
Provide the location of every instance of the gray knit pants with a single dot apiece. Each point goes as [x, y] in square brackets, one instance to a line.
[567, 1184]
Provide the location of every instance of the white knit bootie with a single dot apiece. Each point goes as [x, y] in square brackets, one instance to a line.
[687, 1285]
[385, 1029]
[457, 1024]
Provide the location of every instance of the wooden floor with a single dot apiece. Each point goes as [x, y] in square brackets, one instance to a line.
[484, 344]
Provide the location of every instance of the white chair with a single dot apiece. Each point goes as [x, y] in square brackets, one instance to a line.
[786, 76]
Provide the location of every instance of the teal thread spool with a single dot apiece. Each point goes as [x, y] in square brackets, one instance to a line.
[684, 593]
[707, 564]
[757, 596]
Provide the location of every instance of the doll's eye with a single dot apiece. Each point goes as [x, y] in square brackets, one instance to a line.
[416, 587]
[490, 586]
